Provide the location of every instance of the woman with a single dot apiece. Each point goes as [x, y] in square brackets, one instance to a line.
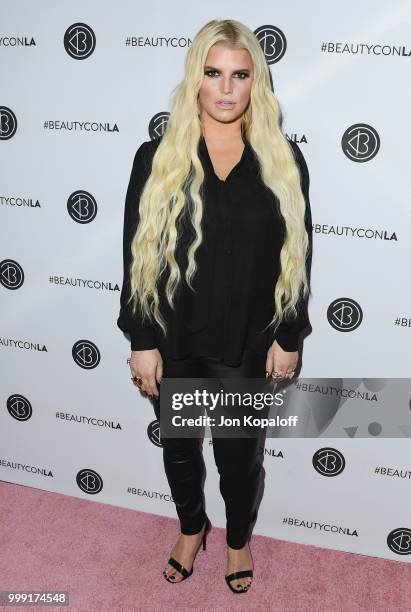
[217, 258]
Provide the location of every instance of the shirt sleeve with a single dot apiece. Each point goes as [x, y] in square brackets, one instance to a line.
[288, 332]
[142, 336]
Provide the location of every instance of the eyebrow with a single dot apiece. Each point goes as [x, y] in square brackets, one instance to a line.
[218, 69]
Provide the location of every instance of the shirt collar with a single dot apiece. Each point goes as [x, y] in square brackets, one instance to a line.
[248, 162]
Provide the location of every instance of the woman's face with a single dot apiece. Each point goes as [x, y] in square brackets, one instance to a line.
[225, 91]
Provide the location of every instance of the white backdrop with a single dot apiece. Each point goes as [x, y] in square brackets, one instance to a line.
[75, 104]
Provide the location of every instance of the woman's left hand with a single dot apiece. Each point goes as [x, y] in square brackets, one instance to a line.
[280, 361]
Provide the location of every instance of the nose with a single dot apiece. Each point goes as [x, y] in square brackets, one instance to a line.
[226, 85]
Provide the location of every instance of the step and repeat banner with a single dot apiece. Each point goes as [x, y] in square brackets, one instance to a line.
[83, 87]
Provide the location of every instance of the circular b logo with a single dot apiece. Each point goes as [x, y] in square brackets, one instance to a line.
[399, 541]
[153, 432]
[8, 123]
[79, 41]
[328, 461]
[11, 274]
[86, 354]
[81, 206]
[19, 407]
[272, 42]
[158, 125]
[89, 481]
[360, 142]
[344, 314]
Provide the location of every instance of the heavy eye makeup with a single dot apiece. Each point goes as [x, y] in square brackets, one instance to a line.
[242, 74]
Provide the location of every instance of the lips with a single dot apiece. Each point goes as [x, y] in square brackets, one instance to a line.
[225, 103]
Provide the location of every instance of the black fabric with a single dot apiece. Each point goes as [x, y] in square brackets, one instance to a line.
[238, 460]
[238, 265]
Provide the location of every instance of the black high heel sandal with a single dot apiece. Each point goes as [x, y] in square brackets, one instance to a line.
[236, 576]
[240, 574]
[180, 568]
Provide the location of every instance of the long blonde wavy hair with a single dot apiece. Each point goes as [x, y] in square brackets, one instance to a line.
[177, 170]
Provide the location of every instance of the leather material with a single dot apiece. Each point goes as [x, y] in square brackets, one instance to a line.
[237, 459]
[235, 576]
[240, 574]
[180, 568]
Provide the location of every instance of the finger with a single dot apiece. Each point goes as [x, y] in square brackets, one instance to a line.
[278, 372]
[277, 368]
[152, 387]
[159, 372]
[135, 380]
[291, 370]
[141, 383]
[269, 364]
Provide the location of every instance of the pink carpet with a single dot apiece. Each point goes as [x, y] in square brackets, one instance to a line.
[111, 559]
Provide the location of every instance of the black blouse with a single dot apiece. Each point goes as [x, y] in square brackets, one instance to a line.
[237, 265]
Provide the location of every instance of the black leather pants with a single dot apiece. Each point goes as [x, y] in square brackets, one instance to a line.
[237, 459]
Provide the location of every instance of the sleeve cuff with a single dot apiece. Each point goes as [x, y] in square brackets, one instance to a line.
[287, 340]
[143, 339]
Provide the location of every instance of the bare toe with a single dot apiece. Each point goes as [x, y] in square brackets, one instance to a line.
[170, 573]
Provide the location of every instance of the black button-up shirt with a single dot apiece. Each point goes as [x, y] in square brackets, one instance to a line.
[238, 264]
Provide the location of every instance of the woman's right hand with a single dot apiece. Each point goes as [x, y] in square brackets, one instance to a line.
[148, 365]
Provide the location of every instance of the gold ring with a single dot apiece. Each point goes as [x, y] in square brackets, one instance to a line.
[137, 380]
[276, 375]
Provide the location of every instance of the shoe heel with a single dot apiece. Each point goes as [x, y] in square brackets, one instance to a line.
[206, 530]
